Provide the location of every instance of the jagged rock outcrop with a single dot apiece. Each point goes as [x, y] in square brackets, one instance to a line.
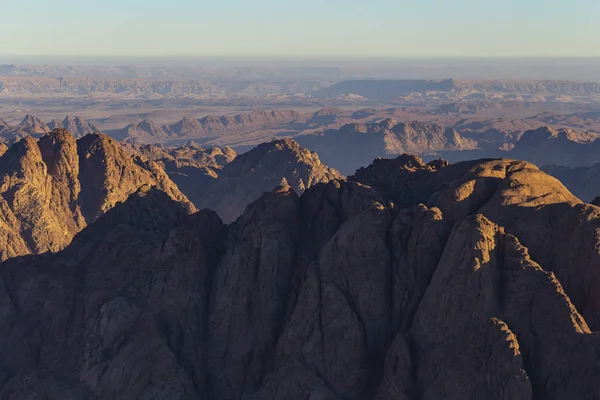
[519, 197]
[110, 174]
[34, 125]
[52, 188]
[336, 294]
[190, 155]
[344, 292]
[260, 170]
[76, 125]
[192, 168]
[141, 130]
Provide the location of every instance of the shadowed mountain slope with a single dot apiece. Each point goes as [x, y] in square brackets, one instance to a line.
[487, 290]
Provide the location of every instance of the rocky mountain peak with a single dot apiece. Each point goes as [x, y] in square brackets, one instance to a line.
[53, 187]
[31, 121]
[471, 280]
[261, 170]
[535, 136]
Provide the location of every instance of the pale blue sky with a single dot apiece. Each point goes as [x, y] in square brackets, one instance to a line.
[330, 28]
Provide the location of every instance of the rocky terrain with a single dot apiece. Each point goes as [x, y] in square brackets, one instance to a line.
[33, 126]
[76, 125]
[563, 147]
[53, 187]
[471, 280]
[356, 145]
[219, 179]
[206, 84]
[495, 126]
[248, 176]
[210, 126]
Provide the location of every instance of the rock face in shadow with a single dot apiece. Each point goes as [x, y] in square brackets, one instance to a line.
[547, 146]
[517, 196]
[220, 179]
[52, 188]
[440, 281]
[356, 145]
[249, 175]
[192, 168]
[584, 182]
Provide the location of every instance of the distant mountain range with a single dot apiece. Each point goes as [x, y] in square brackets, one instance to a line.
[31, 125]
[212, 85]
[347, 145]
[385, 89]
[356, 145]
[206, 127]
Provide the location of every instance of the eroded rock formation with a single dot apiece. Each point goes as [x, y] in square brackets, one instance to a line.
[474, 280]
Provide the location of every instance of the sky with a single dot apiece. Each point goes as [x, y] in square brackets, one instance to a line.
[307, 28]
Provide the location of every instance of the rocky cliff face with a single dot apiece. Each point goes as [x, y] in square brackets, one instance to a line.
[487, 289]
[219, 179]
[249, 175]
[50, 189]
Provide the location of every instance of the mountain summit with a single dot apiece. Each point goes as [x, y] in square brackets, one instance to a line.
[471, 280]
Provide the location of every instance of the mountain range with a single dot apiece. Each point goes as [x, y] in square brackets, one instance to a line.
[356, 145]
[365, 133]
[51, 188]
[407, 281]
[206, 127]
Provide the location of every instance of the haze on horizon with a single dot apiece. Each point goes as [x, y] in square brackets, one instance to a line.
[267, 28]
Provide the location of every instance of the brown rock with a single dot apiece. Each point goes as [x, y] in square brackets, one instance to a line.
[338, 294]
[261, 170]
[51, 189]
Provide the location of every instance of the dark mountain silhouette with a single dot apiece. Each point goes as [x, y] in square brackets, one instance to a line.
[472, 280]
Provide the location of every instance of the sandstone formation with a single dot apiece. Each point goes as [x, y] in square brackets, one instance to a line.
[475, 280]
[50, 189]
[249, 175]
[219, 179]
